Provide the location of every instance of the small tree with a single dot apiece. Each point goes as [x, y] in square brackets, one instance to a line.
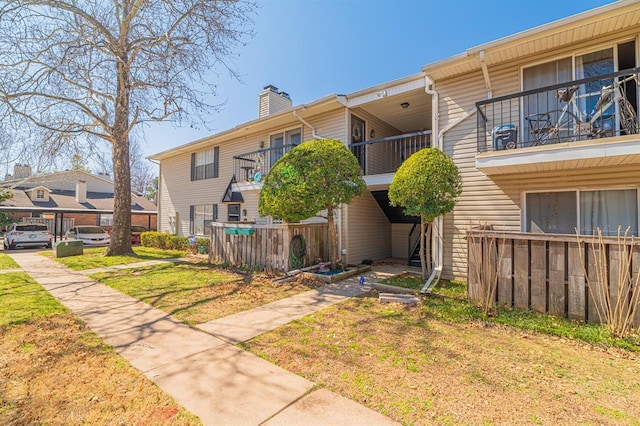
[314, 176]
[427, 185]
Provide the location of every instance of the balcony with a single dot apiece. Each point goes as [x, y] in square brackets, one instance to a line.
[252, 167]
[582, 121]
[382, 156]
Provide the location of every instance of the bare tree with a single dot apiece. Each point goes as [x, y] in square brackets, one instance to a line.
[140, 168]
[97, 69]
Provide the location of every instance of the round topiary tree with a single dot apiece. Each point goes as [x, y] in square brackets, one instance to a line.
[427, 185]
[315, 176]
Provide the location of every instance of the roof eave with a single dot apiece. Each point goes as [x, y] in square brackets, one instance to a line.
[259, 122]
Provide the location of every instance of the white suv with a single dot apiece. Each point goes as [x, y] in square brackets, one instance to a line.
[27, 235]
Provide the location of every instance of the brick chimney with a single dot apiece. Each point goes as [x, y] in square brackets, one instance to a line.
[81, 191]
[273, 101]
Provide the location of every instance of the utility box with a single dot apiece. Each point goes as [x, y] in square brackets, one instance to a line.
[67, 248]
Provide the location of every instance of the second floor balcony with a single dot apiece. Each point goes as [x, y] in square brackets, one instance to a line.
[385, 155]
[581, 119]
[254, 166]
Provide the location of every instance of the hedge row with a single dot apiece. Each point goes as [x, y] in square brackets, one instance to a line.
[170, 242]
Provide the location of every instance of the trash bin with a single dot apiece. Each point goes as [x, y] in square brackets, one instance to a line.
[67, 248]
[505, 137]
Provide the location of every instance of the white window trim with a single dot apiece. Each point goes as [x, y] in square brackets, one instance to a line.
[577, 190]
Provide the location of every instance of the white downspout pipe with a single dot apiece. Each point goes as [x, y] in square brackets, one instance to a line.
[303, 121]
[338, 212]
[485, 74]
[429, 88]
[438, 224]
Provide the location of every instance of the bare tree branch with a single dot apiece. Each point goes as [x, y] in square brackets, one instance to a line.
[76, 72]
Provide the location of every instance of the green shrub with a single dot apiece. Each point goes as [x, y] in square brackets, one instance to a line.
[164, 241]
[176, 242]
[152, 239]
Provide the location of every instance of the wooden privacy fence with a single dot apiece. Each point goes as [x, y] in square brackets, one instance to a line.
[266, 246]
[543, 272]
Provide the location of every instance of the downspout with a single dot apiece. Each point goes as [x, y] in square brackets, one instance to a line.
[438, 224]
[157, 195]
[338, 212]
[485, 74]
[302, 120]
[429, 88]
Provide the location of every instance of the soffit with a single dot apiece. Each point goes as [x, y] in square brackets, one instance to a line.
[588, 25]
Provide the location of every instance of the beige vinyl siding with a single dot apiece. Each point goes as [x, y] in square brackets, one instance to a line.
[330, 125]
[178, 192]
[481, 200]
[497, 201]
[369, 230]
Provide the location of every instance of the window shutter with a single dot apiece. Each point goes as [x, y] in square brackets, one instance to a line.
[215, 212]
[193, 166]
[216, 154]
[191, 219]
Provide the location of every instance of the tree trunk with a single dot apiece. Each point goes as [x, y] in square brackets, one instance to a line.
[423, 261]
[121, 233]
[333, 237]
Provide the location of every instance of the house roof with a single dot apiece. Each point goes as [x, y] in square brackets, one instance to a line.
[600, 21]
[62, 198]
[65, 201]
[327, 103]
[273, 120]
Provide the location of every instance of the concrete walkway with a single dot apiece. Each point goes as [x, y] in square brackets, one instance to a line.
[204, 371]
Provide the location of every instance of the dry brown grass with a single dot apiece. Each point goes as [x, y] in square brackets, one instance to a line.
[419, 370]
[54, 371]
[199, 292]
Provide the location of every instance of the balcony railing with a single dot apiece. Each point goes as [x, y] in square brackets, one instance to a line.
[254, 166]
[591, 108]
[387, 154]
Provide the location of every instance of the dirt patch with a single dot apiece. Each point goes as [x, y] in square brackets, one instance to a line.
[419, 370]
[55, 371]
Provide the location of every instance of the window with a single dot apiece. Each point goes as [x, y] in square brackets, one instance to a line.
[233, 212]
[282, 143]
[106, 220]
[201, 216]
[565, 70]
[40, 193]
[204, 164]
[564, 212]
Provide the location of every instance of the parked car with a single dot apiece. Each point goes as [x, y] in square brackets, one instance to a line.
[89, 235]
[136, 230]
[27, 235]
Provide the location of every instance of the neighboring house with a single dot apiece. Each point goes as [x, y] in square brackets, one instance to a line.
[496, 103]
[62, 199]
[528, 164]
[218, 178]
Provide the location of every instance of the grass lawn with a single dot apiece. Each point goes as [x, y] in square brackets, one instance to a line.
[441, 363]
[94, 257]
[198, 292]
[405, 280]
[6, 262]
[54, 370]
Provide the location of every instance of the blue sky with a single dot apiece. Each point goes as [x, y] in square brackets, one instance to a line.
[313, 48]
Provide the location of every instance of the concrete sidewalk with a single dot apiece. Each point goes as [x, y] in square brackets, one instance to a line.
[210, 377]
